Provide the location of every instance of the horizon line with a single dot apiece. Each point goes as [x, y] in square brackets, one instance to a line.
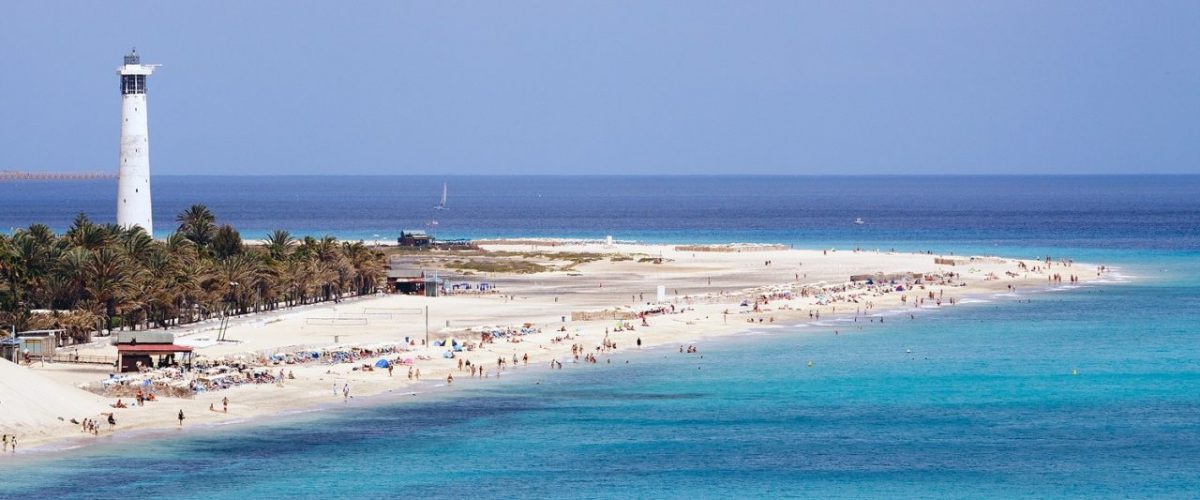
[952, 175]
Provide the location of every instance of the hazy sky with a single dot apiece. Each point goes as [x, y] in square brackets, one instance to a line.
[797, 87]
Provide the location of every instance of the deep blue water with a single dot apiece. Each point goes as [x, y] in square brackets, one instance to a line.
[984, 406]
[1137, 212]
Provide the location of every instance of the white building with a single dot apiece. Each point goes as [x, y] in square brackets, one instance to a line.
[133, 185]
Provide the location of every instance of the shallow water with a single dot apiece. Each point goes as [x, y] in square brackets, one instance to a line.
[973, 401]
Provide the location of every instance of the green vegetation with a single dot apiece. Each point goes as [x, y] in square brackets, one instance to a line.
[499, 266]
[104, 276]
[469, 260]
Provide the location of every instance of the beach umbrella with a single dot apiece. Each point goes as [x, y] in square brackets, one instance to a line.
[382, 363]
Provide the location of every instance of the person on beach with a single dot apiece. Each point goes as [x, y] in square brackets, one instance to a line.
[450, 379]
[225, 404]
[346, 391]
[181, 418]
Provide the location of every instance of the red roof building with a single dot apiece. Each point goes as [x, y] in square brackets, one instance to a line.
[131, 356]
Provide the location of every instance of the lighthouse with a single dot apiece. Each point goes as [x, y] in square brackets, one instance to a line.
[133, 184]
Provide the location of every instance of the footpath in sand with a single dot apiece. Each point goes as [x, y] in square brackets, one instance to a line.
[710, 290]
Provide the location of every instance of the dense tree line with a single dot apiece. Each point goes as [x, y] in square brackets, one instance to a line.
[105, 277]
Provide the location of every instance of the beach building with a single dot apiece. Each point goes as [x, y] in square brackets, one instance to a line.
[9, 347]
[413, 281]
[411, 278]
[30, 344]
[149, 350]
[133, 182]
[414, 238]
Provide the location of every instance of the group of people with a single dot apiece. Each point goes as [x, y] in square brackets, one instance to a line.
[1058, 278]
[10, 442]
[92, 426]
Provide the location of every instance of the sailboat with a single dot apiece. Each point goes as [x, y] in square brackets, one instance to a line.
[859, 221]
[442, 205]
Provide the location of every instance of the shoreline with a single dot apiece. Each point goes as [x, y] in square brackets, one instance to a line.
[56, 449]
[374, 391]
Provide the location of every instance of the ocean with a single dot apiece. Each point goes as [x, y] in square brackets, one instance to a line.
[1086, 392]
[984, 212]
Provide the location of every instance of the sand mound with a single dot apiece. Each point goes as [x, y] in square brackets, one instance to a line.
[29, 400]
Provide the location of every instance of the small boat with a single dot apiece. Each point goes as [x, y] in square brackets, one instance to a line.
[442, 205]
[859, 221]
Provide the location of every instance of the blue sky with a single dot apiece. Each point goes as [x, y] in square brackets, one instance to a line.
[572, 87]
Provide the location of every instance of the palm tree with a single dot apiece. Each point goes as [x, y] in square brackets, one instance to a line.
[367, 266]
[279, 244]
[10, 275]
[33, 254]
[71, 271]
[233, 280]
[97, 276]
[198, 224]
[108, 281]
[226, 242]
[83, 233]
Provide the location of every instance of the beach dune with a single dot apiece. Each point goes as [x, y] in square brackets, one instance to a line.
[29, 400]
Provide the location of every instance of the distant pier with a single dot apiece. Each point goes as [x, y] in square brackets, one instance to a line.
[15, 175]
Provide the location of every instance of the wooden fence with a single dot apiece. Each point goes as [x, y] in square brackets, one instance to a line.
[67, 357]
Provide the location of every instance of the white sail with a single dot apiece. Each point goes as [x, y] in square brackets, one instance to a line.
[442, 205]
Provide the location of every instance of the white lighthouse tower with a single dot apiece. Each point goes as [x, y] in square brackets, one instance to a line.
[133, 185]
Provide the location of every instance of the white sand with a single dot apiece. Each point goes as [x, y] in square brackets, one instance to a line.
[32, 403]
[702, 285]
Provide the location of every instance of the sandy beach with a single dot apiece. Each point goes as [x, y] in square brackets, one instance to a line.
[571, 311]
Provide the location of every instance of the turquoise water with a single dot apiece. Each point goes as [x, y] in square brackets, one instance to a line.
[984, 405]
[975, 401]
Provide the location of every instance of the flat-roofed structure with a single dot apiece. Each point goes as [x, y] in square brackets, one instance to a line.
[149, 350]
